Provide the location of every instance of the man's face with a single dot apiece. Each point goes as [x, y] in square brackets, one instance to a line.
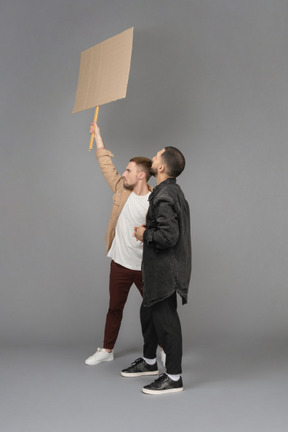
[131, 176]
[156, 162]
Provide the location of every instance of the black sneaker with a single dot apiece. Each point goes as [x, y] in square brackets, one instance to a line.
[163, 384]
[139, 367]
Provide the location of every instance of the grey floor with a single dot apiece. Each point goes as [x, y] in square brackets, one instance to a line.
[228, 388]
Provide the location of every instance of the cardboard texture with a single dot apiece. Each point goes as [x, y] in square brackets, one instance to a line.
[104, 72]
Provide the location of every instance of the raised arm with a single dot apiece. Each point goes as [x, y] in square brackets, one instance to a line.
[104, 156]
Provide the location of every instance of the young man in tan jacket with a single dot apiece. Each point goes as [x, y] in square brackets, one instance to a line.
[130, 205]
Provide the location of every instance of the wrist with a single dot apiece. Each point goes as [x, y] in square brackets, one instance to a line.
[99, 146]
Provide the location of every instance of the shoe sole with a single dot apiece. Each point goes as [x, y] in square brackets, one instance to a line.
[137, 374]
[98, 362]
[158, 392]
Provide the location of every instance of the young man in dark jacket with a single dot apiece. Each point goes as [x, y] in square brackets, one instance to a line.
[166, 270]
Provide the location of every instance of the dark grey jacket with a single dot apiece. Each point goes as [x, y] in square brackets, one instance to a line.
[167, 256]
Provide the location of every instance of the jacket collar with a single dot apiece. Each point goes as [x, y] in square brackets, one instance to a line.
[161, 185]
[150, 187]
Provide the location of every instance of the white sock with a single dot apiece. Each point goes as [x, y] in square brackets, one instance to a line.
[174, 377]
[150, 361]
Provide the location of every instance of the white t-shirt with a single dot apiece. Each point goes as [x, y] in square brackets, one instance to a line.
[125, 249]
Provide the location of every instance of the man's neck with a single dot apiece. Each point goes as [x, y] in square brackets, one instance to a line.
[161, 178]
[141, 189]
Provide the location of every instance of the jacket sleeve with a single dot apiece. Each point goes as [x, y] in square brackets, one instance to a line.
[108, 169]
[166, 232]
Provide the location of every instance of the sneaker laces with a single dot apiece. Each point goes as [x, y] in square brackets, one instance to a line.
[137, 361]
[162, 377]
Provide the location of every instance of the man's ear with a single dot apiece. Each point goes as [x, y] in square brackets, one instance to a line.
[142, 175]
[161, 168]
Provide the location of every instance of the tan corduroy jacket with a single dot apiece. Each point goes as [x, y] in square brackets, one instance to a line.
[121, 194]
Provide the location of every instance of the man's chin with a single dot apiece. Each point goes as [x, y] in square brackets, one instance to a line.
[129, 187]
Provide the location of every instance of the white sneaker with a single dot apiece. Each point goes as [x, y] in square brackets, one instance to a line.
[101, 355]
[163, 357]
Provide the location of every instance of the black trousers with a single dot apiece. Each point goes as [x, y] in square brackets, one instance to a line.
[161, 326]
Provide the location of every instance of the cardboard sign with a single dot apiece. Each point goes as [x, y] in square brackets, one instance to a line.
[104, 72]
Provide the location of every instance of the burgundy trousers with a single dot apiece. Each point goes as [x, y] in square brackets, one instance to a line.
[121, 280]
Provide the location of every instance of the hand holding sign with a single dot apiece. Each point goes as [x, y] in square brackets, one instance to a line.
[95, 132]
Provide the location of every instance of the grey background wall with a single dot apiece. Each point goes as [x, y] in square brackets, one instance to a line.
[208, 76]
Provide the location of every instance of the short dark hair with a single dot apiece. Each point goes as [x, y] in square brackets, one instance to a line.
[144, 164]
[174, 161]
